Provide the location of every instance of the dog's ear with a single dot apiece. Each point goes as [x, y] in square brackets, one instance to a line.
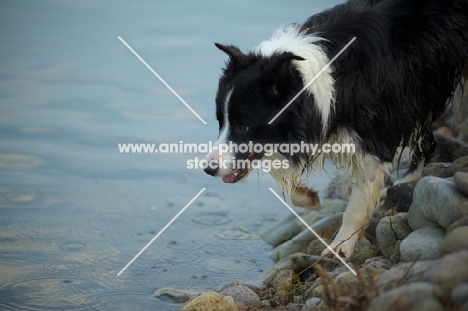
[231, 50]
[279, 66]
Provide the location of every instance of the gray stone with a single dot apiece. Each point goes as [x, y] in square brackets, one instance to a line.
[399, 197]
[210, 301]
[312, 304]
[411, 297]
[175, 295]
[448, 149]
[446, 170]
[402, 274]
[242, 294]
[288, 227]
[390, 230]
[462, 222]
[460, 294]
[362, 251]
[461, 182]
[422, 244]
[316, 247]
[324, 228]
[296, 262]
[448, 271]
[378, 263]
[284, 286]
[456, 240]
[460, 111]
[436, 202]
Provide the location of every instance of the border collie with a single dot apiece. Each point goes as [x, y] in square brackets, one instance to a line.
[384, 91]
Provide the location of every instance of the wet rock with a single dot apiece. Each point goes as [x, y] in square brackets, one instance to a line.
[456, 240]
[242, 294]
[436, 202]
[461, 182]
[210, 301]
[316, 247]
[390, 231]
[411, 297]
[460, 111]
[324, 228]
[459, 223]
[371, 230]
[175, 295]
[399, 197]
[287, 228]
[448, 149]
[284, 286]
[448, 271]
[444, 130]
[378, 263]
[446, 170]
[459, 294]
[402, 274]
[296, 262]
[363, 250]
[422, 244]
[313, 304]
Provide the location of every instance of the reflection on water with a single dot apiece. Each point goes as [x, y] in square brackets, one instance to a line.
[73, 211]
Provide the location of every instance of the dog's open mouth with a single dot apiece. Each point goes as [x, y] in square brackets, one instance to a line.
[241, 173]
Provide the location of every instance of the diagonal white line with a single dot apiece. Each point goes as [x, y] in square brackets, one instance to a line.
[160, 232]
[313, 231]
[162, 80]
[312, 81]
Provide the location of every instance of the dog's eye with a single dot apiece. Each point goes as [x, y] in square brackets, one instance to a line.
[241, 128]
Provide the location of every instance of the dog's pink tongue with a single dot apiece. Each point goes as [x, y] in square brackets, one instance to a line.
[229, 179]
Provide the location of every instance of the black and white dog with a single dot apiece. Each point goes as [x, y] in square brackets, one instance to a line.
[382, 92]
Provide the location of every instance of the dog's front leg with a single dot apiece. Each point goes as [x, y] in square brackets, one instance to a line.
[364, 198]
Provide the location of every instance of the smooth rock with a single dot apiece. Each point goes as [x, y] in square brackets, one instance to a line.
[284, 286]
[410, 297]
[402, 274]
[349, 284]
[316, 247]
[456, 240]
[210, 301]
[399, 197]
[461, 182]
[390, 230]
[422, 244]
[448, 271]
[436, 202]
[288, 228]
[378, 263]
[448, 149]
[446, 170]
[296, 262]
[459, 294]
[462, 222]
[242, 294]
[312, 304]
[175, 295]
[324, 228]
[362, 251]
[460, 110]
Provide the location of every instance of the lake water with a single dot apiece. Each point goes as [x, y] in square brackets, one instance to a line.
[73, 210]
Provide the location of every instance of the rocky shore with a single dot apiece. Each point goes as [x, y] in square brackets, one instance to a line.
[413, 255]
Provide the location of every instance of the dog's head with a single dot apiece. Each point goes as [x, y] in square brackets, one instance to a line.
[252, 90]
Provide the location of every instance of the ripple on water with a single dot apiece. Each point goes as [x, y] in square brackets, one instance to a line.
[212, 218]
[180, 258]
[111, 217]
[47, 291]
[234, 234]
[127, 300]
[72, 246]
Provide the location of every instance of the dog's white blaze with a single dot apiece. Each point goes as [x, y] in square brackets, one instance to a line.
[223, 139]
[292, 39]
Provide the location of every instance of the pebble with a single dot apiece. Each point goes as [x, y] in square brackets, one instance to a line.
[243, 294]
[390, 230]
[296, 262]
[312, 304]
[287, 228]
[459, 223]
[461, 182]
[284, 285]
[459, 294]
[422, 244]
[448, 271]
[399, 197]
[436, 201]
[445, 170]
[210, 301]
[324, 228]
[378, 263]
[456, 240]
[174, 294]
[362, 251]
[448, 149]
[402, 274]
[416, 296]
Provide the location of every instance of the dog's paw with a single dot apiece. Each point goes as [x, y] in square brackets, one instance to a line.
[305, 197]
[344, 247]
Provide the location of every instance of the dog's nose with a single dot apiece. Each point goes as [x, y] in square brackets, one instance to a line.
[212, 168]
